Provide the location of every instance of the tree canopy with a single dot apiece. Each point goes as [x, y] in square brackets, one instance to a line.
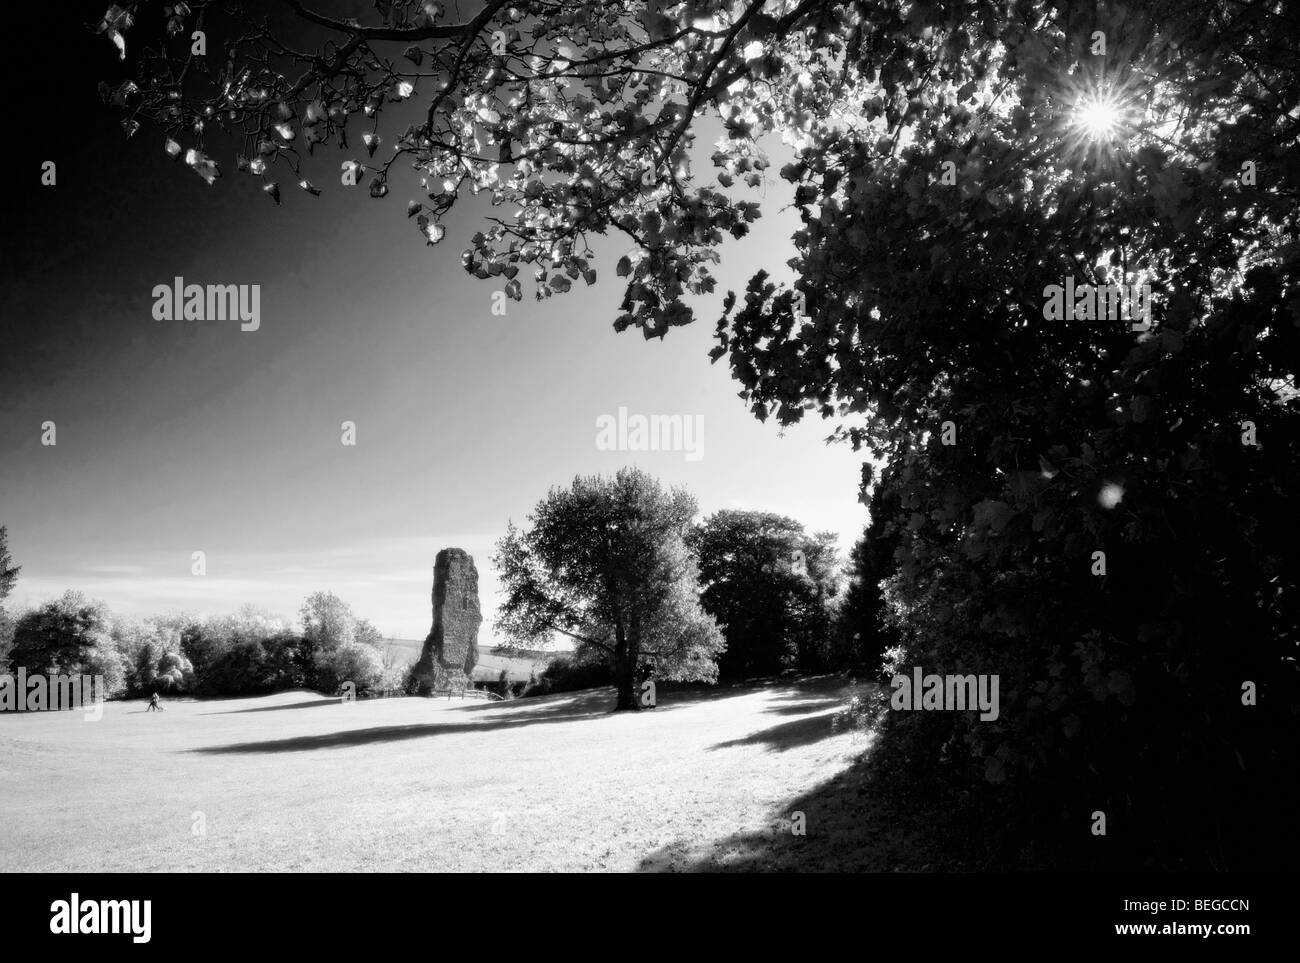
[575, 117]
[769, 585]
[605, 563]
[69, 635]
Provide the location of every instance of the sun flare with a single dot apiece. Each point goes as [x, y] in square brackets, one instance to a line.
[1099, 117]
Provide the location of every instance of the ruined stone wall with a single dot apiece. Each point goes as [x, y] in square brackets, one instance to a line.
[452, 644]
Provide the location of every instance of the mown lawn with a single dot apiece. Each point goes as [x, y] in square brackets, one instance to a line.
[298, 782]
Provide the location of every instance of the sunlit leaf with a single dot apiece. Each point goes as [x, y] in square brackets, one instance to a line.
[202, 165]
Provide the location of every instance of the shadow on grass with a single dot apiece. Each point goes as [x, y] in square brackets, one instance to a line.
[489, 716]
[822, 695]
[803, 708]
[310, 704]
[510, 716]
[788, 735]
[678, 695]
[792, 695]
[851, 825]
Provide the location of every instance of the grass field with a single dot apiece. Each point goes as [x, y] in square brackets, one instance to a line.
[298, 782]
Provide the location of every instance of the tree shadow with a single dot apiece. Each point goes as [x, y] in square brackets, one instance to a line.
[562, 710]
[788, 735]
[812, 703]
[603, 697]
[208, 699]
[559, 707]
[804, 707]
[311, 704]
[851, 824]
[673, 695]
[795, 695]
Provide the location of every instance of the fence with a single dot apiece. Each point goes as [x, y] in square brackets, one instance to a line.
[464, 693]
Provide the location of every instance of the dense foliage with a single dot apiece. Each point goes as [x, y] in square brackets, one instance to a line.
[570, 672]
[69, 636]
[770, 586]
[863, 630]
[605, 563]
[1122, 677]
[247, 653]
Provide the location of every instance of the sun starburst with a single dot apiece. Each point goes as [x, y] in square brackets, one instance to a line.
[1099, 116]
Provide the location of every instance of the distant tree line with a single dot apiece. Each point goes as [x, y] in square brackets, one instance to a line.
[248, 653]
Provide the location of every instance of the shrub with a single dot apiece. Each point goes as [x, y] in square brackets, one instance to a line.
[569, 673]
[392, 677]
[354, 662]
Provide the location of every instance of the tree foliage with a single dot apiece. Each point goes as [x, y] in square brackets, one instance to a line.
[8, 571]
[926, 305]
[769, 585]
[344, 648]
[574, 117]
[605, 563]
[151, 654]
[70, 635]
[863, 631]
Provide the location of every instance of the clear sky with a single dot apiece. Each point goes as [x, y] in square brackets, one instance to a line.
[176, 437]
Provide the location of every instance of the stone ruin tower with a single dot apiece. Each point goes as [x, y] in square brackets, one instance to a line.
[451, 648]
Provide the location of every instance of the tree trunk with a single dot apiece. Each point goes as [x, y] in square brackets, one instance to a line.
[624, 673]
[627, 700]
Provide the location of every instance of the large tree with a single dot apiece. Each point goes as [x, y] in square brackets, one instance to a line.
[995, 157]
[605, 563]
[769, 584]
[70, 635]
